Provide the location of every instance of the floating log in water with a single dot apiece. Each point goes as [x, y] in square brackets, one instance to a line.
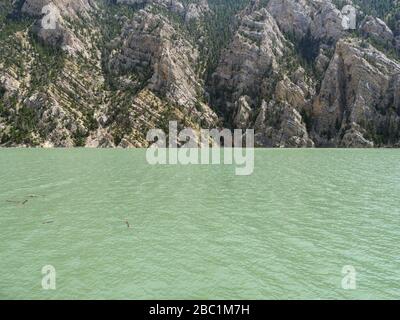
[26, 200]
[17, 202]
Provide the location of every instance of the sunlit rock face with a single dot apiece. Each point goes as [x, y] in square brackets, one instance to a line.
[193, 10]
[322, 18]
[150, 44]
[66, 7]
[280, 125]
[52, 28]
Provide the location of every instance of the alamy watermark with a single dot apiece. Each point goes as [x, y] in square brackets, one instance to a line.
[191, 146]
[349, 17]
[51, 16]
[49, 278]
[349, 280]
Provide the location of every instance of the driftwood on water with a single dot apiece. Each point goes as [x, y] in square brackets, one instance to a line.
[22, 202]
[18, 202]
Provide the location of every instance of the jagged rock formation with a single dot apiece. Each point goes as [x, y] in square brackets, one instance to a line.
[377, 29]
[196, 10]
[66, 8]
[190, 11]
[53, 29]
[149, 43]
[111, 70]
[254, 52]
[250, 71]
[320, 17]
[280, 125]
[360, 90]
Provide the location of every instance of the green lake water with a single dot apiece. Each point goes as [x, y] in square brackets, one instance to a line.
[199, 232]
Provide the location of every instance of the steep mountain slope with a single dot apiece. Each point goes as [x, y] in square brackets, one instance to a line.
[72, 86]
[105, 72]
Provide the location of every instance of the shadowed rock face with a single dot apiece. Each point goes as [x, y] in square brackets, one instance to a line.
[107, 73]
[377, 29]
[359, 96]
[254, 52]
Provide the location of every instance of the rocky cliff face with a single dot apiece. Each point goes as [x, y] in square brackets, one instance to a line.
[150, 44]
[254, 69]
[322, 18]
[254, 53]
[55, 28]
[108, 71]
[358, 103]
[188, 10]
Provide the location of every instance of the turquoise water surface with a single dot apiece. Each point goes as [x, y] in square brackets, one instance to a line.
[199, 232]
